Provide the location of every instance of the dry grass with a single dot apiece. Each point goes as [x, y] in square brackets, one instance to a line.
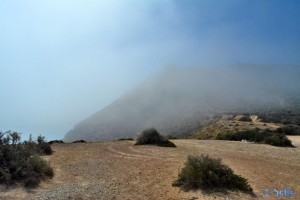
[119, 170]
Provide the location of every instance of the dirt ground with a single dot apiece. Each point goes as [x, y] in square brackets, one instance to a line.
[119, 170]
[295, 140]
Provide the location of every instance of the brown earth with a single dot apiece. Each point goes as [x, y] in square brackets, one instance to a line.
[119, 170]
[295, 140]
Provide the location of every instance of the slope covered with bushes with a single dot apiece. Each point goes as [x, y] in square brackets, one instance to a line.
[259, 136]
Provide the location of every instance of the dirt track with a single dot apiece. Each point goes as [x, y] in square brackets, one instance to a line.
[119, 170]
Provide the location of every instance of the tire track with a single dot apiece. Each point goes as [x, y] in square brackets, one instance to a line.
[131, 153]
[154, 152]
[122, 154]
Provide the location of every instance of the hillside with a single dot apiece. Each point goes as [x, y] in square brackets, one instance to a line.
[120, 170]
[180, 101]
[231, 124]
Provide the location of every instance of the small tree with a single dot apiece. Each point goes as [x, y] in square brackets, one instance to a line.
[40, 139]
[43, 146]
[15, 137]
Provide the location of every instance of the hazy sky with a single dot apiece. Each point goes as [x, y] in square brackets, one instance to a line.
[62, 60]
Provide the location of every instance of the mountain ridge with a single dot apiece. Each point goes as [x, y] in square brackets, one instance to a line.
[178, 101]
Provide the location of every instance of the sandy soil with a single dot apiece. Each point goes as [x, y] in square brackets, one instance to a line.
[119, 170]
[295, 140]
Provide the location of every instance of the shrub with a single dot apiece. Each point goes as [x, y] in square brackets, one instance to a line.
[152, 137]
[283, 116]
[20, 161]
[39, 169]
[289, 129]
[278, 139]
[124, 139]
[55, 141]
[245, 119]
[209, 173]
[259, 136]
[41, 166]
[43, 146]
[46, 148]
[79, 141]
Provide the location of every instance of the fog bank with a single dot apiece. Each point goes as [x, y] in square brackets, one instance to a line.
[178, 100]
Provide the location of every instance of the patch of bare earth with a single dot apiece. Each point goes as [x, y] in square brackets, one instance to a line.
[119, 170]
[295, 140]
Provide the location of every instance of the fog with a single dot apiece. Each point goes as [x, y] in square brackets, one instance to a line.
[62, 61]
[180, 100]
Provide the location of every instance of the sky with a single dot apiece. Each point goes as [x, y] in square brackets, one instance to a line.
[61, 61]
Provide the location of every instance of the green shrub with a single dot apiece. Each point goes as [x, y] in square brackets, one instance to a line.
[209, 173]
[282, 117]
[46, 148]
[79, 141]
[43, 146]
[289, 129]
[39, 170]
[20, 161]
[259, 136]
[41, 166]
[278, 139]
[32, 181]
[152, 137]
[4, 175]
[125, 139]
[245, 119]
[55, 141]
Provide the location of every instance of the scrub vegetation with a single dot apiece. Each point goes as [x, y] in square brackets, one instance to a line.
[209, 173]
[259, 136]
[152, 137]
[20, 162]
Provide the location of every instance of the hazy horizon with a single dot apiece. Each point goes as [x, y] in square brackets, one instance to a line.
[61, 61]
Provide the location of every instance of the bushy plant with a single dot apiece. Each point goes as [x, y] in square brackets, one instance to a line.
[282, 117]
[245, 119]
[209, 173]
[278, 139]
[259, 136]
[152, 137]
[38, 170]
[79, 141]
[289, 129]
[20, 161]
[55, 141]
[125, 139]
[43, 146]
